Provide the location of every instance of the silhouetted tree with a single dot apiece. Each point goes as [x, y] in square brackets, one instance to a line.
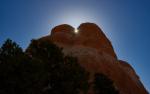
[10, 49]
[19, 74]
[42, 69]
[104, 85]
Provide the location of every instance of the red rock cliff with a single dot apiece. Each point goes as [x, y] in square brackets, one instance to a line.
[96, 54]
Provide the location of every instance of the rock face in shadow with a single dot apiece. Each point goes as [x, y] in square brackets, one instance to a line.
[96, 54]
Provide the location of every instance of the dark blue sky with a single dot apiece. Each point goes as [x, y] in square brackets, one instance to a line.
[125, 22]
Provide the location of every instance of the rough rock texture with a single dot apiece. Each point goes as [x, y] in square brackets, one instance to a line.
[96, 54]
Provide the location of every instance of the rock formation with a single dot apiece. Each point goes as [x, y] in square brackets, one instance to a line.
[96, 54]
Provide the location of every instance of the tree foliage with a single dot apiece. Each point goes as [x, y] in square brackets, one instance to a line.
[42, 69]
[10, 48]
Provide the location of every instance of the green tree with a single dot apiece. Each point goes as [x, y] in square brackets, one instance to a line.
[104, 85]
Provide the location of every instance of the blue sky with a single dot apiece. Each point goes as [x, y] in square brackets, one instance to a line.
[125, 22]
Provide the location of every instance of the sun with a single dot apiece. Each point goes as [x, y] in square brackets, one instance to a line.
[76, 30]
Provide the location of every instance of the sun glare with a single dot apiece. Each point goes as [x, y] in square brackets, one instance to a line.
[76, 30]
